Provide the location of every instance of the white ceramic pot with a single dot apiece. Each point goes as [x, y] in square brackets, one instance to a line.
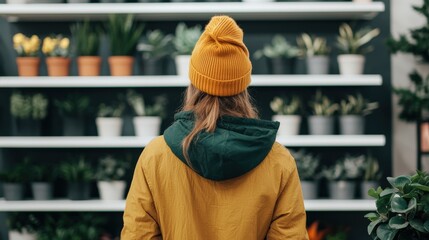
[289, 124]
[147, 126]
[15, 235]
[182, 64]
[351, 64]
[111, 190]
[362, 1]
[109, 126]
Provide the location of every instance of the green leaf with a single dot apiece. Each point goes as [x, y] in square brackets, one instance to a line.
[398, 222]
[372, 216]
[426, 226]
[399, 182]
[387, 191]
[383, 204]
[373, 193]
[372, 225]
[384, 232]
[418, 225]
[399, 205]
[420, 186]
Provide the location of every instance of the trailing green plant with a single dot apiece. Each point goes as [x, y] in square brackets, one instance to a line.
[156, 45]
[185, 38]
[76, 171]
[347, 168]
[414, 99]
[73, 105]
[349, 42]
[371, 169]
[307, 165]
[112, 169]
[357, 105]
[28, 106]
[279, 48]
[23, 222]
[86, 38]
[417, 41]
[286, 106]
[16, 174]
[323, 106]
[402, 209]
[140, 108]
[113, 110]
[313, 46]
[124, 33]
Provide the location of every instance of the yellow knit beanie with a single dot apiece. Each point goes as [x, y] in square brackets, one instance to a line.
[220, 64]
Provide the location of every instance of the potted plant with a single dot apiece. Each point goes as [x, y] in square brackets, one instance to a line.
[287, 113]
[184, 42]
[370, 175]
[147, 121]
[27, 49]
[41, 178]
[281, 53]
[28, 111]
[342, 177]
[110, 175]
[73, 109]
[87, 43]
[109, 121]
[154, 48]
[13, 181]
[402, 209]
[22, 226]
[353, 111]
[352, 59]
[322, 121]
[317, 51]
[78, 175]
[56, 49]
[124, 33]
[307, 165]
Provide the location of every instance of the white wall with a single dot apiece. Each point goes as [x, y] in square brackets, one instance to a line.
[403, 17]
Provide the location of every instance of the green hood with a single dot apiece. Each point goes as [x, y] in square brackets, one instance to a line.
[237, 146]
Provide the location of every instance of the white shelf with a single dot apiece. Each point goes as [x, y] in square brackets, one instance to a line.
[178, 81]
[119, 206]
[137, 142]
[195, 11]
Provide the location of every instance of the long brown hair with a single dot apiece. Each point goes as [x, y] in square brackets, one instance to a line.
[208, 109]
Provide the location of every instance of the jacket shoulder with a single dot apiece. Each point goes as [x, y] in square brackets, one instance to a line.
[281, 158]
[153, 150]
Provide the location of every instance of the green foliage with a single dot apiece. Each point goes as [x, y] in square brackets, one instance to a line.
[349, 42]
[156, 45]
[113, 110]
[402, 209]
[112, 169]
[307, 165]
[137, 103]
[185, 38]
[418, 41]
[42, 173]
[124, 33]
[347, 168]
[315, 46]
[279, 47]
[23, 222]
[322, 105]
[414, 99]
[30, 106]
[80, 171]
[357, 105]
[371, 169]
[73, 105]
[286, 106]
[86, 38]
[16, 174]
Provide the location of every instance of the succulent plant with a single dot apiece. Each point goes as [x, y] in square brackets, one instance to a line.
[137, 103]
[76, 171]
[86, 38]
[33, 106]
[357, 105]
[307, 165]
[279, 47]
[371, 169]
[113, 110]
[322, 105]
[124, 33]
[186, 38]
[313, 46]
[286, 106]
[111, 169]
[155, 45]
[348, 168]
[73, 105]
[349, 42]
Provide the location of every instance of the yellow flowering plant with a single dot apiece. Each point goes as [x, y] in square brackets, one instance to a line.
[26, 46]
[56, 46]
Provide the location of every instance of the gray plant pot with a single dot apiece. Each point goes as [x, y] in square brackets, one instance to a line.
[342, 189]
[78, 190]
[282, 65]
[317, 65]
[27, 127]
[321, 125]
[74, 126]
[153, 66]
[352, 125]
[309, 189]
[42, 190]
[13, 191]
[365, 186]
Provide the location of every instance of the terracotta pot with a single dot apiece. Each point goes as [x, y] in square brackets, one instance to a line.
[121, 65]
[424, 136]
[58, 66]
[28, 66]
[89, 65]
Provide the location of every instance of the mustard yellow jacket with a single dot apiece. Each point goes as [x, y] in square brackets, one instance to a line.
[169, 200]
